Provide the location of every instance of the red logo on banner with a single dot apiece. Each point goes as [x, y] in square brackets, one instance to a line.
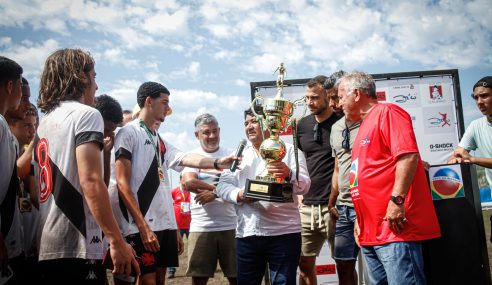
[326, 269]
[435, 92]
[381, 95]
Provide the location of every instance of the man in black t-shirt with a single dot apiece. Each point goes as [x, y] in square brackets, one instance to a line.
[314, 140]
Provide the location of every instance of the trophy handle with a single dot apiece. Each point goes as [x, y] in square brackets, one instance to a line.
[257, 96]
[295, 104]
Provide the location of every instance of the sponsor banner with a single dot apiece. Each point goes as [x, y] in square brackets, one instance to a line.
[439, 120]
[405, 93]
[446, 182]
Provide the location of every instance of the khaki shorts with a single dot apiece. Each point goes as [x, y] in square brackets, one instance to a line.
[205, 248]
[315, 230]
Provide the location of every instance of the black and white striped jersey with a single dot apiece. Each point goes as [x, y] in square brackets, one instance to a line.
[67, 227]
[152, 194]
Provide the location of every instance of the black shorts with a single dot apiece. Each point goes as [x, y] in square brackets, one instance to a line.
[167, 256]
[72, 271]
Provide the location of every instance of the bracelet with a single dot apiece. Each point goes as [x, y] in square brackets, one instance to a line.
[216, 164]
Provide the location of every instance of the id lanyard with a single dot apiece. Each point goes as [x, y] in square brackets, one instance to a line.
[156, 148]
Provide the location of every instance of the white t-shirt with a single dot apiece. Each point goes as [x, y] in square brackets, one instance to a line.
[67, 228]
[153, 195]
[216, 215]
[10, 219]
[478, 135]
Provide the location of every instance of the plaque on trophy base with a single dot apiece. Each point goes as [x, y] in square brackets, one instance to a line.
[268, 191]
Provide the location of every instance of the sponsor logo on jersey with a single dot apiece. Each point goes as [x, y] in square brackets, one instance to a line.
[446, 183]
[354, 180]
[365, 141]
[147, 142]
[148, 259]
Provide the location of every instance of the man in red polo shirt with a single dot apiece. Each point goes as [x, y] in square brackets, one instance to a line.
[388, 186]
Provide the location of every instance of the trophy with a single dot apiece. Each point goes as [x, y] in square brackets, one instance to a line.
[276, 117]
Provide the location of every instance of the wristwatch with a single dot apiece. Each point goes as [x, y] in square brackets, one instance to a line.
[215, 193]
[398, 200]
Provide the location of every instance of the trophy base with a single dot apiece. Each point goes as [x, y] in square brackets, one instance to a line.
[268, 191]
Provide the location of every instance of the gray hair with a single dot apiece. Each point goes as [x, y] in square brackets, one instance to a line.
[333, 79]
[205, 119]
[361, 81]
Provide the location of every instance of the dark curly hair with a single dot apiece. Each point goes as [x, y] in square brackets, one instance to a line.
[62, 79]
[109, 108]
[152, 89]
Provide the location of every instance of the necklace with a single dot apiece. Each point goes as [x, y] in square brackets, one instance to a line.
[156, 148]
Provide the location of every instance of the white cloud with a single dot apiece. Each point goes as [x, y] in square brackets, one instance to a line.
[192, 72]
[182, 140]
[125, 91]
[31, 56]
[165, 23]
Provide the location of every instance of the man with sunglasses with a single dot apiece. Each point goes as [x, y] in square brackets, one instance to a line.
[314, 140]
[479, 134]
[342, 139]
[388, 186]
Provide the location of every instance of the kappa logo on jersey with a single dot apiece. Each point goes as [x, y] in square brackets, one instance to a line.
[45, 172]
[365, 141]
[91, 275]
[95, 239]
[147, 142]
[440, 122]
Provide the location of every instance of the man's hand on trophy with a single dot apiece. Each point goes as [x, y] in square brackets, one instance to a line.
[241, 199]
[278, 169]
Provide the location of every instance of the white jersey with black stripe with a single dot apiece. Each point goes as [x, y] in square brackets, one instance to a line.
[67, 227]
[152, 194]
[10, 222]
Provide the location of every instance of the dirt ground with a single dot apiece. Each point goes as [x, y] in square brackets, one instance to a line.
[180, 276]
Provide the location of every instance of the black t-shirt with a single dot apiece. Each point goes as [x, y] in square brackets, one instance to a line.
[320, 162]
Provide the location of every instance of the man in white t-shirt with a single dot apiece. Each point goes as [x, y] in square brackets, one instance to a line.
[142, 159]
[479, 134]
[213, 221]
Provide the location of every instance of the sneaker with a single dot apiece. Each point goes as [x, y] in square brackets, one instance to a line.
[170, 275]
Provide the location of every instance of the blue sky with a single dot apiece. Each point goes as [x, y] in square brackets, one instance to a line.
[207, 52]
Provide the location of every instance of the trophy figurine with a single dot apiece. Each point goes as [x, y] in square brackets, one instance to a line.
[276, 117]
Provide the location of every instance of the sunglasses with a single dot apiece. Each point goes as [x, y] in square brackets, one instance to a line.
[346, 139]
[317, 133]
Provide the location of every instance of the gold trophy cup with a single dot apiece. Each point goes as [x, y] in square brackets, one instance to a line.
[276, 117]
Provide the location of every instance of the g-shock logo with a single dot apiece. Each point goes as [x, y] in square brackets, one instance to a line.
[441, 145]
